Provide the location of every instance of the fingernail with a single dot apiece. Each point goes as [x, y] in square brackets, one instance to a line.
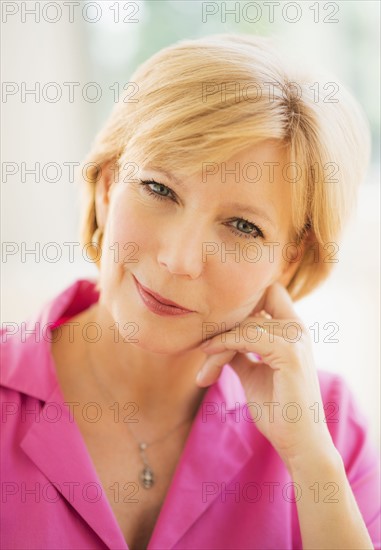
[254, 356]
[263, 313]
[199, 376]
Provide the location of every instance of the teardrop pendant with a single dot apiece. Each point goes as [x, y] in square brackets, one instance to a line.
[147, 477]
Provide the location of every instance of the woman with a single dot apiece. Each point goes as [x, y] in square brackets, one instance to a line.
[174, 402]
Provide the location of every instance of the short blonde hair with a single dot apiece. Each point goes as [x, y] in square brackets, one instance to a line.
[182, 112]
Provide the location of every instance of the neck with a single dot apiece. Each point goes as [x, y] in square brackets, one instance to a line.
[163, 386]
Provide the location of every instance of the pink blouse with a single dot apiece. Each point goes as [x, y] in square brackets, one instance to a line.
[230, 488]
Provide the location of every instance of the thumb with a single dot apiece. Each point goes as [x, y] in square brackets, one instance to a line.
[211, 369]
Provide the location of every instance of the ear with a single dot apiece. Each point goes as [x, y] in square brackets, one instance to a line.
[106, 180]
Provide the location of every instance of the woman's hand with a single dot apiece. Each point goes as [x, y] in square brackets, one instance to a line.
[284, 384]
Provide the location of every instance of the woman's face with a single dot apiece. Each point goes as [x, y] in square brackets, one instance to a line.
[198, 242]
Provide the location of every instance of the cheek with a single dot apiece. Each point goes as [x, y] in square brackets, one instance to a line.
[241, 286]
[129, 228]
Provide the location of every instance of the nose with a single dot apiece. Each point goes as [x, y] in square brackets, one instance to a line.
[181, 247]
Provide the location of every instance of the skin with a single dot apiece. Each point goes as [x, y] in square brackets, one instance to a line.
[171, 262]
[159, 371]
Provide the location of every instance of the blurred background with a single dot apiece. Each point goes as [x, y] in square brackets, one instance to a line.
[87, 51]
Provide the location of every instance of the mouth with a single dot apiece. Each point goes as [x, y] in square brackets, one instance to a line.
[158, 303]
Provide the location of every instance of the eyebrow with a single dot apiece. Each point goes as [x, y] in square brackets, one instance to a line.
[160, 171]
[244, 209]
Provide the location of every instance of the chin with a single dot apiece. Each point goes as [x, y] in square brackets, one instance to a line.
[153, 333]
[163, 344]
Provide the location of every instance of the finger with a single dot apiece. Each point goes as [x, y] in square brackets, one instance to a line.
[272, 348]
[251, 330]
[263, 313]
[278, 302]
[212, 368]
[248, 332]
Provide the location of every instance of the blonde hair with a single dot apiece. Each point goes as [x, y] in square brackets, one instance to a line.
[178, 117]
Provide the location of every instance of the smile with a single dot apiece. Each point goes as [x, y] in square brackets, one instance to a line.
[158, 304]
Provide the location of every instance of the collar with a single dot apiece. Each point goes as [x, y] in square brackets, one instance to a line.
[27, 359]
[26, 347]
[215, 449]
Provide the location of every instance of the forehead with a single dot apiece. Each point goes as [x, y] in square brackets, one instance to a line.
[266, 154]
[258, 165]
[259, 176]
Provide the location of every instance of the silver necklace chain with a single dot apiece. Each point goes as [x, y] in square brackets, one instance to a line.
[147, 476]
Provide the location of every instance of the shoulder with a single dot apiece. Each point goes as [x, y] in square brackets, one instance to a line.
[348, 425]
[26, 354]
[349, 428]
[341, 406]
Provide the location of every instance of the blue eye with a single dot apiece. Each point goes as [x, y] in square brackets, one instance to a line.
[246, 229]
[157, 190]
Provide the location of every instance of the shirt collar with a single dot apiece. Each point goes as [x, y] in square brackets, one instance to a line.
[210, 452]
[28, 365]
[26, 347]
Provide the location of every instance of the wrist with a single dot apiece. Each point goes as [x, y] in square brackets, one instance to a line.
[326, 459]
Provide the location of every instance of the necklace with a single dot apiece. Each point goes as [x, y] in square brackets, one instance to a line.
[147, 476]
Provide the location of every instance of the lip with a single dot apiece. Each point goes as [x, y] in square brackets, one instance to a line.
[158, 304]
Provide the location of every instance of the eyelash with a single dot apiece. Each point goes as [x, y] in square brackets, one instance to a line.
[145, 184]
